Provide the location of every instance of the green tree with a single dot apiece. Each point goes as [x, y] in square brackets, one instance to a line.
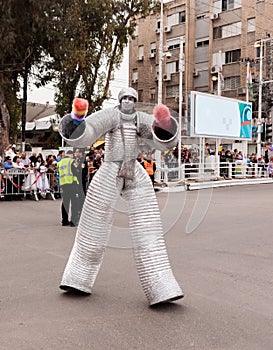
[77, 42]
[22, 41]
[88, 45]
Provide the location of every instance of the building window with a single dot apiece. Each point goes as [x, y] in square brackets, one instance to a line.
[176, 18]
[231, 4]
[153, 47]
[258, 52]
[172, 67]
[172, 91]
[182, 17]
[171, 20]
[232, 30]
[136, 30]
[217, 33]
[135, 76]
[218, 59]
[202, 16]
[140, 52]
[140, 95]
[233, 56]
[152, 94]
[202, 42]
[217, 6]
[232, 83]
[173, 43]
[228, 30]
[251, 24]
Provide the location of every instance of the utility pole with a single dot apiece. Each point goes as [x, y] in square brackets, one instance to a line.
[220, 74]
[181, 69]
[160, 75]
[259, 122]
[219, 93]
[160, 56]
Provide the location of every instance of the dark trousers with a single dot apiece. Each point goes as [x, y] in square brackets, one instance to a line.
[70, 201]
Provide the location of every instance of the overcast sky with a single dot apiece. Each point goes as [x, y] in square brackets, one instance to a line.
[46, 94]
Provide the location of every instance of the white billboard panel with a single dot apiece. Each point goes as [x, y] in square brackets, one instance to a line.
[218, 116]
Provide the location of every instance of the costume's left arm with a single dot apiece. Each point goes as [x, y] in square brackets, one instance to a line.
[90, 129]
[160, 130]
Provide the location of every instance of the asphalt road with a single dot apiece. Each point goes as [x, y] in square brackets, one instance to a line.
[221, 248]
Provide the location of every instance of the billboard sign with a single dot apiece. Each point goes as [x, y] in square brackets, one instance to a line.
[220, 117]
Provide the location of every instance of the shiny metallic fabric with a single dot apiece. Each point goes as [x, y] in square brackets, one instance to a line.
[148, 242]
[107, 122]
[149, 249]
[94, 228]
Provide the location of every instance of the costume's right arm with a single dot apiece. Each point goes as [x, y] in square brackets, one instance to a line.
[90, 130]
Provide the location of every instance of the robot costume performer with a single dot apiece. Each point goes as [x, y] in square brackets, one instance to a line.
[121, 173]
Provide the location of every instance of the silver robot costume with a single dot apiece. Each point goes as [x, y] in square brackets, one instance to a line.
[121, 173]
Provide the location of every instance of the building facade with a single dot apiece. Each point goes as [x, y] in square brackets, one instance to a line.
[221, 40]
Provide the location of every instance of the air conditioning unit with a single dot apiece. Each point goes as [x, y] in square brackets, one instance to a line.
[215, 16]
[241, 91]
[195, 73]
[167, 77]
[214, 69]
[157, 31]
[167, 29]
[152, 55]
[140, 58]
[134, 80]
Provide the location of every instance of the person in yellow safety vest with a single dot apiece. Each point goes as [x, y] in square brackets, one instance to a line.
[69, 189]
[150, 167]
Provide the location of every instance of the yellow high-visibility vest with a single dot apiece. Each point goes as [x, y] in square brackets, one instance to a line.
[65, 172]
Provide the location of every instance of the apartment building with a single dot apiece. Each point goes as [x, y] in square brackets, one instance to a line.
[220, 39]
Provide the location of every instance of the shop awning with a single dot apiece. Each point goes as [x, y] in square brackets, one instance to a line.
[42, 124]
[30, 126]
[37, 111]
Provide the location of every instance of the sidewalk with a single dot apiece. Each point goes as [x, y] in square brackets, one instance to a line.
[190, 185]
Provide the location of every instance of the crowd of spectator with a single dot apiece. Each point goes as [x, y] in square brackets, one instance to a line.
[228, 159]
[20, 173]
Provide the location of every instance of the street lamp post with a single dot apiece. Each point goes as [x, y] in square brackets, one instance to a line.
[260, 44]
[160, 83]
[259, 122]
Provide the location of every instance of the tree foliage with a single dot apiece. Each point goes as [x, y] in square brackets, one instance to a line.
[88, 45]
[78, 43]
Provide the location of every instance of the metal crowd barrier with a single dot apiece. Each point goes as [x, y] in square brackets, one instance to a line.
[170, 172]
[16, 183]
[23, 183]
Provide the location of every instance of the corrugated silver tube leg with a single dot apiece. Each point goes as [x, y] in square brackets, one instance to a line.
[153, 266]
[149, 247]
[93, 230]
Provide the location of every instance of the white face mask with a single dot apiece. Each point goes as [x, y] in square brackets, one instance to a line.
[127, 106]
